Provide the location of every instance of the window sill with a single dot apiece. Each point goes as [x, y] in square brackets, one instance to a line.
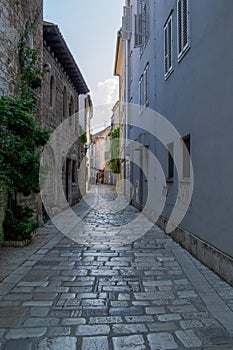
[170, 180]
[167, 75]
[185, 180]
[183, 53]
[142, 108]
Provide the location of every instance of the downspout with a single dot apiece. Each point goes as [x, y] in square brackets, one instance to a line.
[126, 73]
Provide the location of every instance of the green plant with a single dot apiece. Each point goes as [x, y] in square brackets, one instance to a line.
[115, 161]
[21, 141]
[1, 237]
[18, 225]
[83, 135]
[31, 72]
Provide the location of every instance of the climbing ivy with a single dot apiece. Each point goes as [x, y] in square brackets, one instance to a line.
[32, 72]
[21, 142]
[21, 139]
[83, 135]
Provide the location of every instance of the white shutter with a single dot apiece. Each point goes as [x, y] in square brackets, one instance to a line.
[169, 33]
[139, 25]
[183, 27]
[168, 63]
[185, 22]
[138, 38]
[126, 23]
[179, 23]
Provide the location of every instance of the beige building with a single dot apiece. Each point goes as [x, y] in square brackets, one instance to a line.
[88, 117]
[119, 110]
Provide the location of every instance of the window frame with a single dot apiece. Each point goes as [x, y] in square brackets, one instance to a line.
[146, 85]
[186, 149]
[181, 48]
[141, 92]
[143, 84]
[141, 24]
[52, 91]
[170, 162]
[168, 47]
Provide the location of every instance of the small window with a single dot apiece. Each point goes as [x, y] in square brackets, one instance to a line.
[141, 92]
[52, 91]
[183, 27]
[143, 89]
[186, 157]
[170, 161]
[141, 24]
[64, 103]
[71, 106]
[168, 64]
[146, 92]
[74, 169]
[131, 67]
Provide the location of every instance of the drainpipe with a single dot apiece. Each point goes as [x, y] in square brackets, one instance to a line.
[126, 92]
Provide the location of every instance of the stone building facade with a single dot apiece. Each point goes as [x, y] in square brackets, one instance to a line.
[57, 98]
[17, 18]
[62, 85]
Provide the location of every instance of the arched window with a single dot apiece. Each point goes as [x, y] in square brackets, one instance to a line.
[52, 91]
[64, 103]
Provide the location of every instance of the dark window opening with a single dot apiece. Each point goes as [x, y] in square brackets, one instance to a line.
[186, 157]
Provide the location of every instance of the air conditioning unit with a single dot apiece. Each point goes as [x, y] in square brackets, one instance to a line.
[126, 23]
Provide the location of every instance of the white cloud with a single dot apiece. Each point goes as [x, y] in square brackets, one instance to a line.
[106, 91]
[104, 97]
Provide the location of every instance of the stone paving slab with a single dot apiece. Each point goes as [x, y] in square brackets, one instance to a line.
[148, 294]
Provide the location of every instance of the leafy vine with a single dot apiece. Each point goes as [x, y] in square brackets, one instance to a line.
[21, 142]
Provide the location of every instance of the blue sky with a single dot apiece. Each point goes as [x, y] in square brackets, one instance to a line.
[90, 30]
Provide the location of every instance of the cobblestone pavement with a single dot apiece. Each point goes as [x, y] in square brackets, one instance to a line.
[150, 294]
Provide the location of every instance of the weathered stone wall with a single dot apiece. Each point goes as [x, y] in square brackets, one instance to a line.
[14, 17]
[53, 114]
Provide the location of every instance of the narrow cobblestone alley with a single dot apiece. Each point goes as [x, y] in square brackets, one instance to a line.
[147, 294]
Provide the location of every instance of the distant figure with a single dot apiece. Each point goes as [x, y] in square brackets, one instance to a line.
[97, 178]
[101, 178]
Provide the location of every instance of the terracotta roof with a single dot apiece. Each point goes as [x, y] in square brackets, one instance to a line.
[54, 39]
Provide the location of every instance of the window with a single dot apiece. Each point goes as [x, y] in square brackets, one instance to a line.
[183, 27]
[74, 169]
[127, 23]
[71, 106]
[143, 88]
[170, 161]
[131, 67]
[130, 112]
[141, 24]
[186, 157]
[141, 92]
[52, 91]
[64, 103]
[145, 78]
[168, 64]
